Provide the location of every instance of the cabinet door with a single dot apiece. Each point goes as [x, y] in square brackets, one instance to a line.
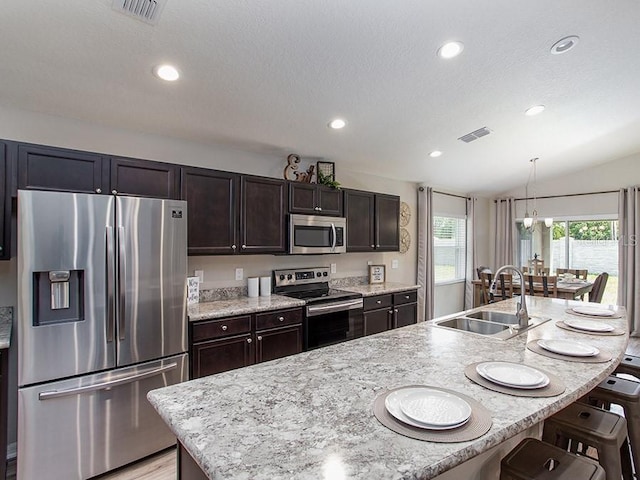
[5, 201]
[263, 209]
[406, 315]
[387, 223]
[212, 199]
[278, 342]
[217, 356]
[330, 201]
[58, 169]
[303, 198]
[359, 211]
[144, 178]
[377, 321]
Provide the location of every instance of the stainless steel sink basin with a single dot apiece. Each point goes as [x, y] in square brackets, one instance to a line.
[497, 317]
[489, 324]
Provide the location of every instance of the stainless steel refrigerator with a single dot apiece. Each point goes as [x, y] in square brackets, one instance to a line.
[101, 321]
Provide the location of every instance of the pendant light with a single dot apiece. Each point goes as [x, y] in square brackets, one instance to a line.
[530, 221]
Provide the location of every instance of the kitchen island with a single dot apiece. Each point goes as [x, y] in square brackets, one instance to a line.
[309, 416]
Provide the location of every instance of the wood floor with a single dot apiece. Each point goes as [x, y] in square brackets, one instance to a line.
[161, 466]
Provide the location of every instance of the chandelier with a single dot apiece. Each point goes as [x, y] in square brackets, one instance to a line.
[530, 221]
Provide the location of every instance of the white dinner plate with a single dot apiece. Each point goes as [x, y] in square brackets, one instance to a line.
[589, 325]
[597, 311]
[453, 416]
[512, 375]
[565, 347]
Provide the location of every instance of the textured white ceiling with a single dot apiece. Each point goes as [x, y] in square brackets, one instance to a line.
[269, 75]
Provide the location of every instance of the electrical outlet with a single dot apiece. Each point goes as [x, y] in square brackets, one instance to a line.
[333, 268]
[200, 275]
[239, 273]
[394, 263]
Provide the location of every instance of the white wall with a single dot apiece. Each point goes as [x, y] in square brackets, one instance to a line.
[219, 271]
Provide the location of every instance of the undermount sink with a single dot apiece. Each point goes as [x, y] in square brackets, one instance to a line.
[490, 324]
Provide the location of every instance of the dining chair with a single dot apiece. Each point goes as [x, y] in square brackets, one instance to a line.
[504, 282]
[536, 265]
[599, 284]
[541, 285]
[578, 272]
[481, 269]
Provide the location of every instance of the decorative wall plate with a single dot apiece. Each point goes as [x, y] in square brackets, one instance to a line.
[405, 214]
[405, 240]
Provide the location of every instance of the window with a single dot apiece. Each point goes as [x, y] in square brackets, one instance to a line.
[449, 248]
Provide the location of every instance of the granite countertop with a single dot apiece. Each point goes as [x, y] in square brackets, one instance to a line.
[239, 306]
[6, 321]
[298, 416]
[379, 288]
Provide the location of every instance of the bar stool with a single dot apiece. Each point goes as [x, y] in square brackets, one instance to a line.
[532, 459]
[625, 393]
[630, 365]
[581, 426]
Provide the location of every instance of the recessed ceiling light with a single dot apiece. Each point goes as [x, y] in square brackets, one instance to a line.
[435, 153]
[535, 110]
[564, 44]
[450, 50]
[167, 72]
[337, 124]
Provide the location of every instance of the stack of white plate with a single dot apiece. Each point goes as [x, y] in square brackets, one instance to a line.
[428, 408]
[513, 375]
[588, 325]
[566, 347]
[594, 311]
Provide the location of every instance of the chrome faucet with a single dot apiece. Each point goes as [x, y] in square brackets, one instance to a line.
[521, 312]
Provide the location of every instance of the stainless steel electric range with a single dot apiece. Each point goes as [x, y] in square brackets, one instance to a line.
[332, 316]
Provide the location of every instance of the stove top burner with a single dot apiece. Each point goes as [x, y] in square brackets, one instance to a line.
[321, 295]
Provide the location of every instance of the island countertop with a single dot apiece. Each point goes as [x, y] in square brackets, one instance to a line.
[301, 416]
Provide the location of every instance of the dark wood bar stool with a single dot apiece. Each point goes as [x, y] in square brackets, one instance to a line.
[532, 459]
[580, 426]
[625, 393]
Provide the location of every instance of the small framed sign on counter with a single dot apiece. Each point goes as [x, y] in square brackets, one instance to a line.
[376, 273]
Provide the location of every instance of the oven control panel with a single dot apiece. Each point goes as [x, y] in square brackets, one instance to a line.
[301, 276]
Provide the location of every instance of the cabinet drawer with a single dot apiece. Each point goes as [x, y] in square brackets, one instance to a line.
[379, 301]
[221, 328]
[405, 297]
[278, 318]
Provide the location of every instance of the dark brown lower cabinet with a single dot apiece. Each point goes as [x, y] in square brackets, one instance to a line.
[385, 312]
[405, 308]
[228, 343]
[377, 321]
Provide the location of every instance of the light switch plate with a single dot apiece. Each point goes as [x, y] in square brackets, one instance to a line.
[239, 273]
[333, 268]
[394, 263]
[200, 275]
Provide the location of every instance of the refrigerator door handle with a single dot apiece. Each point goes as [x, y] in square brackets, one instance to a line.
[121, 277]
[111, 299]
[109, 384]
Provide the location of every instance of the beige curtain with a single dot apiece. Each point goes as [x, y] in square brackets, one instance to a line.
[471, 252]
[425, 253]
[629, 256]
[504, 253]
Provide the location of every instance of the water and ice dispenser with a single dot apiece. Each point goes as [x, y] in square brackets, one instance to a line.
[58, 296]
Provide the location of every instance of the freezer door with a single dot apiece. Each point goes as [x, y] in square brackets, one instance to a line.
[152, 273]
[82, 427]
[66, 323]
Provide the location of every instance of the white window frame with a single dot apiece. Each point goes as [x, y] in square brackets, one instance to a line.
[461, 249]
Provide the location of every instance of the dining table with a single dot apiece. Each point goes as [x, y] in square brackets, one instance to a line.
[567, 290]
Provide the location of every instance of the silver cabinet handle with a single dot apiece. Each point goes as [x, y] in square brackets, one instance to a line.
[407, 297]
[281, 319]
[379, 302]
[98, 190]
[378, 246]
[115, 192]
[319, 209]
[373, 246]
[224, 328]
[244, 246]
[108, 384]
[315, 208]
[259, 337]
[233, 247]
[395, 310]
[249, 340]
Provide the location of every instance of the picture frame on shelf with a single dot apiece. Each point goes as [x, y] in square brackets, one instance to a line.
[377, 273]
[326, 170]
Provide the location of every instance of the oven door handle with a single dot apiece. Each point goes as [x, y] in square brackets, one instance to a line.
[334, 307]
[333, 230]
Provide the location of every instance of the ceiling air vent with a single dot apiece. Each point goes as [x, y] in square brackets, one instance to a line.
[476, 134]
[147, 11]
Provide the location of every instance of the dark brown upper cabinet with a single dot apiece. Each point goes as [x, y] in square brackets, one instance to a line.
[5, 207]
[372, 221]
[313, 199]
[63, 170]
[212, 198]
[144, 178]
[263, 207]
[59, 169]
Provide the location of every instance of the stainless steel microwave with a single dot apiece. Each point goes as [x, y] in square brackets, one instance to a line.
[313, 234]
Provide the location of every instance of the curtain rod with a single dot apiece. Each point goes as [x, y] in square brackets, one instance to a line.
[444, 193]
[561, 196]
